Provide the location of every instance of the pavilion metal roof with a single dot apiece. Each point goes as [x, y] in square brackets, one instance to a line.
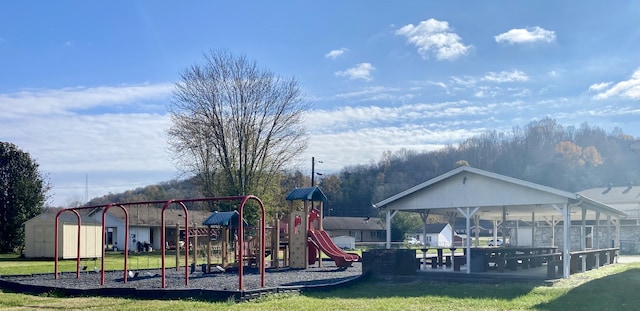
[496, 195]
[353, 223]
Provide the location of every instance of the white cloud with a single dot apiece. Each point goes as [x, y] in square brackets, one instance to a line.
[596, 87]
[366, 144]
[360, 71]
[529, 35]
[102, 130]
[347, 118]
[626, 89]
[379, 93]
[333, 54]
[465, 81]
[127, 146]
[69, 100]
[506, 76]
[435, 37]
[485, 86]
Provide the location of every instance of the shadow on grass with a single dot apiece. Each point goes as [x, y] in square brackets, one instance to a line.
[372, 288]
[9, 257]
[613, 292]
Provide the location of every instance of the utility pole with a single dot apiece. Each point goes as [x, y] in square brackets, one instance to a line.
[313, 171]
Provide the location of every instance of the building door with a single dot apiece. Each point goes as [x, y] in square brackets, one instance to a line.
[151, 231]
[110, 238]
[41, 243]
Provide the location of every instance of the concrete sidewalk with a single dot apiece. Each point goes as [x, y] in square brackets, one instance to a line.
[628, 258]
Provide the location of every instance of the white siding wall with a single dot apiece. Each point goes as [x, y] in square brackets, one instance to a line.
[40, 239]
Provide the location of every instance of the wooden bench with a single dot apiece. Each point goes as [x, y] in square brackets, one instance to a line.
[582, 261]
[585, 260]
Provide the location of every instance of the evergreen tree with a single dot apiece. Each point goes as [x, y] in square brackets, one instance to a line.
[23, 193]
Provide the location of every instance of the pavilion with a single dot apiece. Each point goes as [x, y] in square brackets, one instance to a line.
[477, 194]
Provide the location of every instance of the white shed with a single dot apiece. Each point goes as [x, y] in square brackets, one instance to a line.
[344, 242]
[40, 237]
[435, 235]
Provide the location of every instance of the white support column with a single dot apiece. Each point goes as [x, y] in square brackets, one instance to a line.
[583, 226]
[533, 229]
[617, 242]
[566, 245]
[517, 243]
[596, 234]
[496, 223]
[553, 232]
[476, 223]
[609, 231]
[468, 213]
[424, 215]
[553, 222]
[390, 215]
[468, 246]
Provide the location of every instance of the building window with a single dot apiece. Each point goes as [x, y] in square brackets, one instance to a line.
[378, 235]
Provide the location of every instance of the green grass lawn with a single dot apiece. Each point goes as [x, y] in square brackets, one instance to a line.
[12, 264]
[609, 288]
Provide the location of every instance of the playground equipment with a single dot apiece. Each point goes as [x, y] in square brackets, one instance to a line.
[306, 235]
[104, 212]
[319, 239]
[225, 223]
[181, 203]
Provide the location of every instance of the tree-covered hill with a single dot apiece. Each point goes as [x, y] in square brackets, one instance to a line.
[542, 152]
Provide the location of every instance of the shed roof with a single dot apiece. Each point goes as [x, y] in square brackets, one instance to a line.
[353, 223]
[433, 228]
[66, 217]
[307, 194]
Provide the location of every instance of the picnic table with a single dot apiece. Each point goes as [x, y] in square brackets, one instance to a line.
[511, 257]
[443, 258]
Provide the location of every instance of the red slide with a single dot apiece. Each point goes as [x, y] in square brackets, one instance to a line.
[321, 240]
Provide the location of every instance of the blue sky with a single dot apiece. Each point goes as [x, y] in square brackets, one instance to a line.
[84, 85]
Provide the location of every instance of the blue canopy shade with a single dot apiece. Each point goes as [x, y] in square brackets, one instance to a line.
[229, 219]
[307, 194]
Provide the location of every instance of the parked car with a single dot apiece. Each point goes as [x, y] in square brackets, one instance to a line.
[498, 242]
[413, 241]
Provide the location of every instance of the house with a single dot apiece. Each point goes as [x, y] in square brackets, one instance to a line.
[627, 200]
[434, 235]
[363, 229]
[40, 236]
[145, 225]
[484, 228]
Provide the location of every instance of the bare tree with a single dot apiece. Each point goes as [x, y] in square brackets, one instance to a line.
[235, 125]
